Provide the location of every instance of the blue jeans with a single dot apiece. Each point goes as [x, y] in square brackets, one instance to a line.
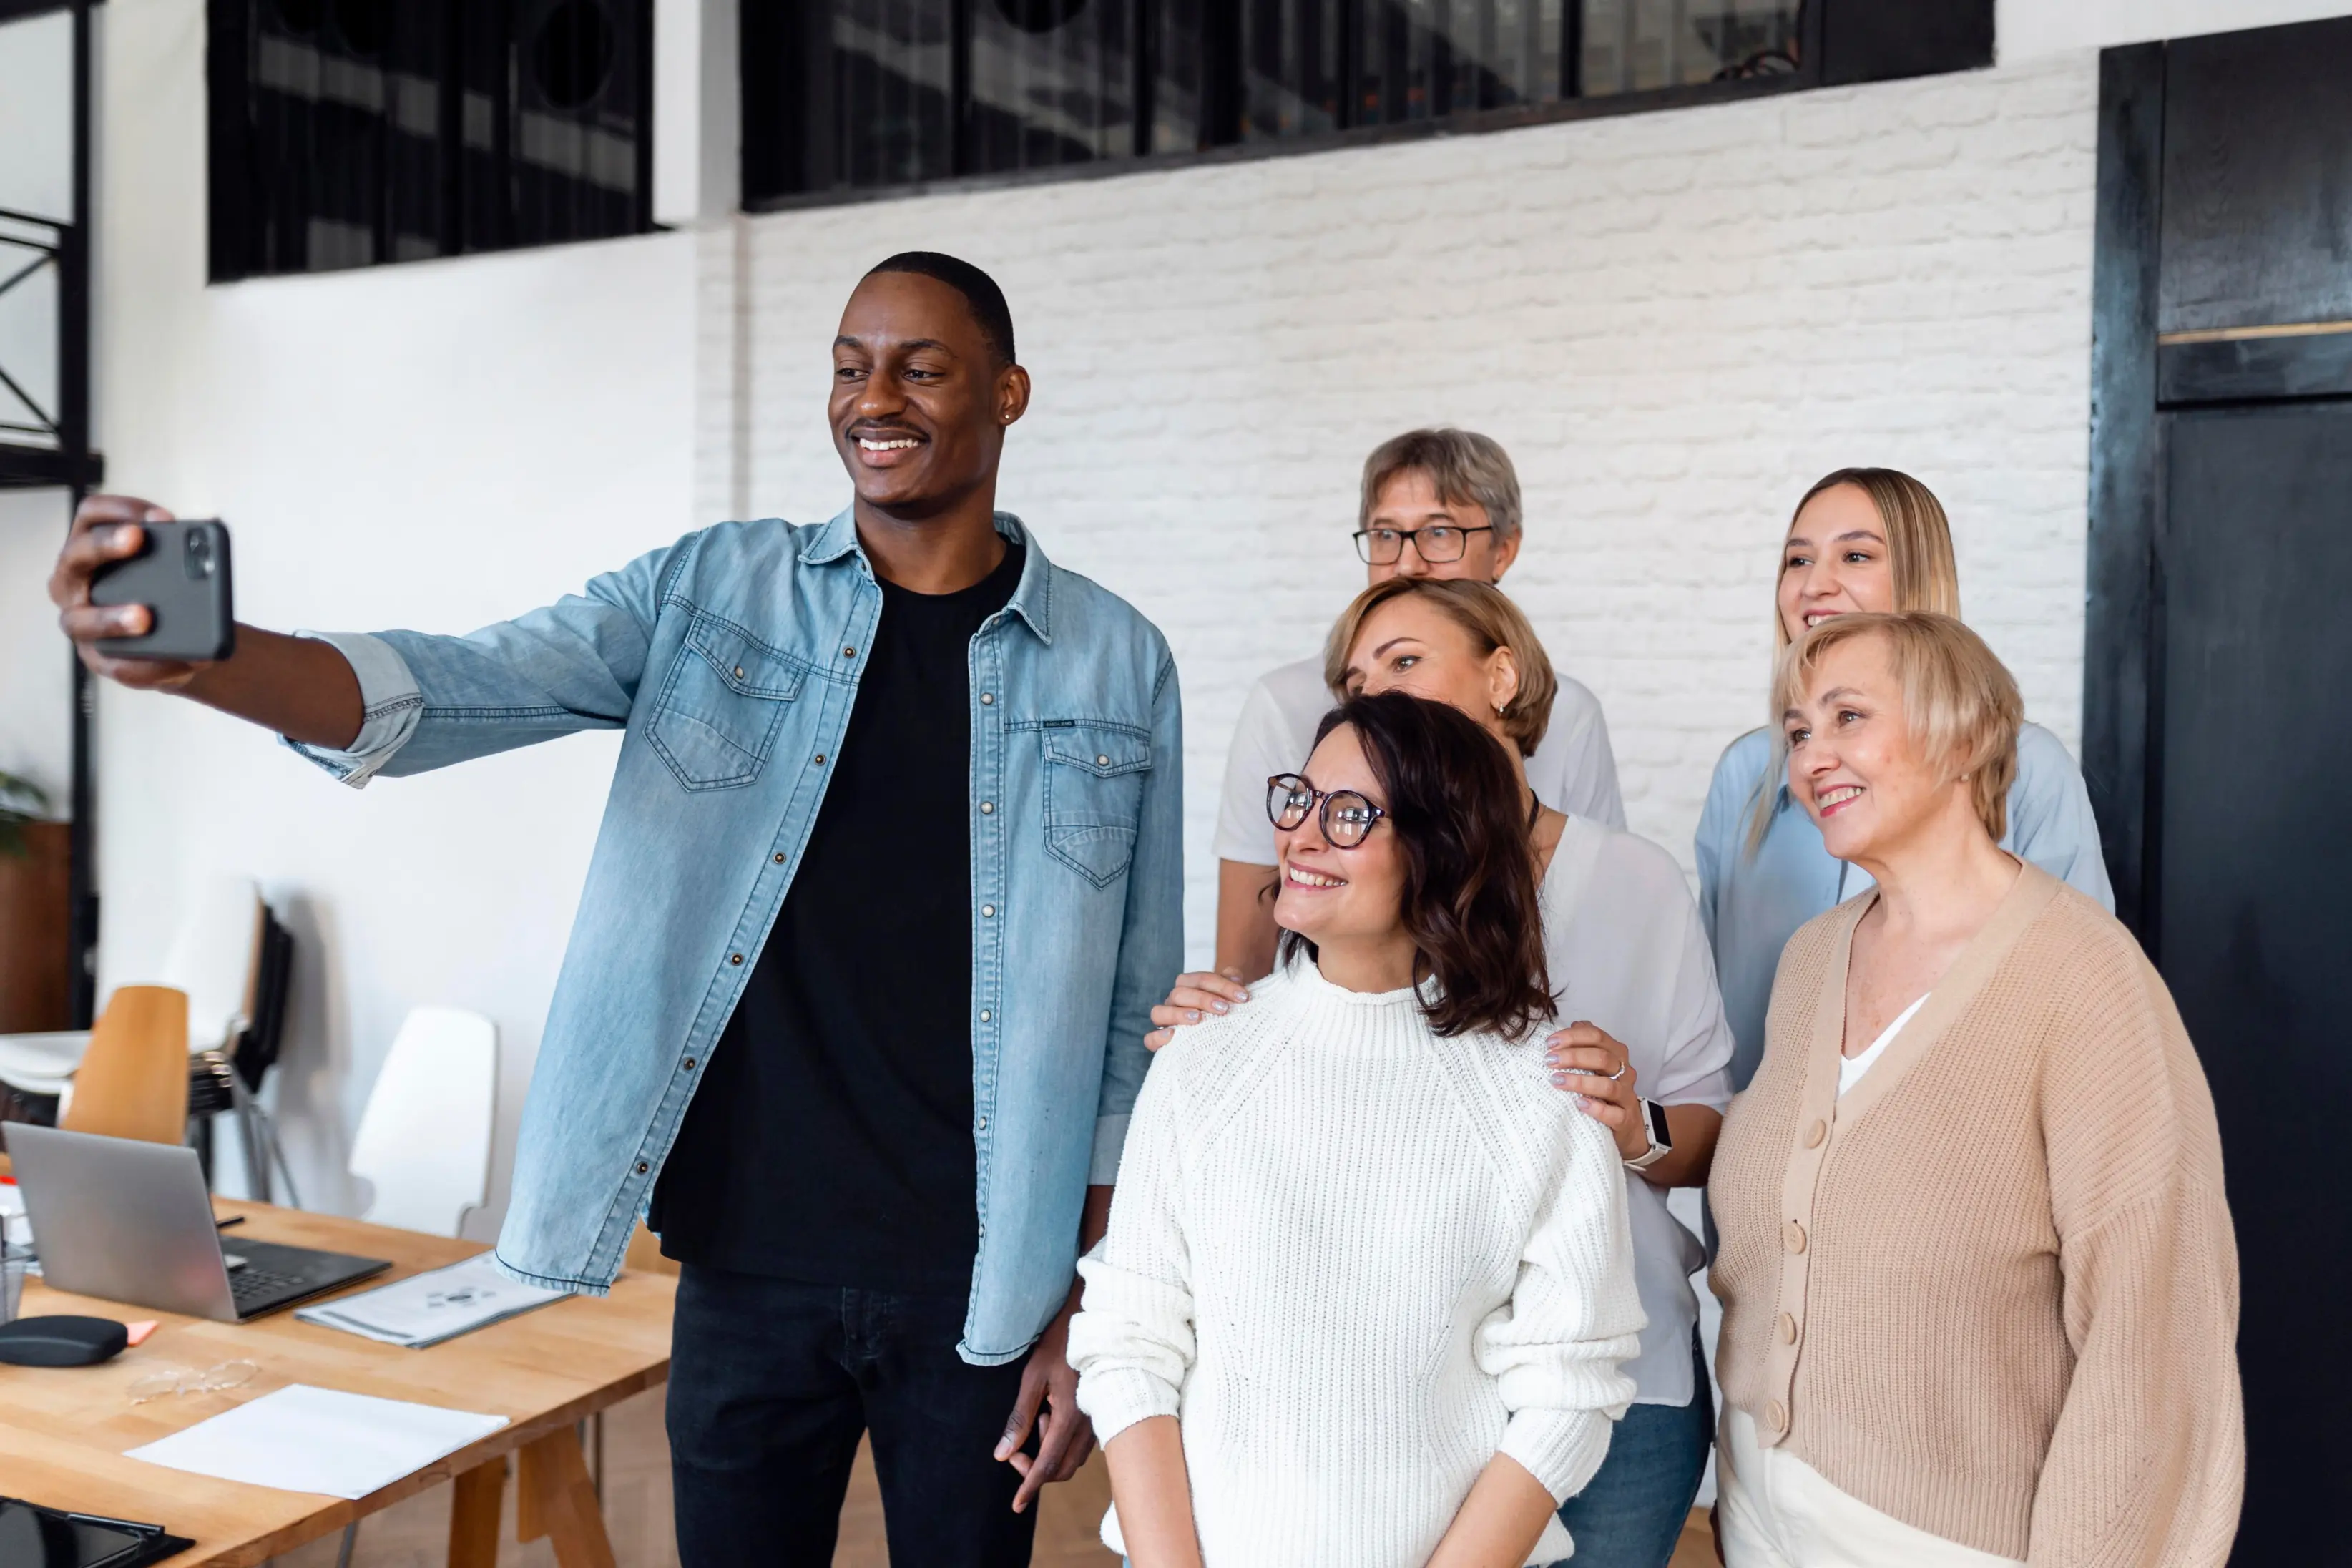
[1630, 1513]
[772, 1383]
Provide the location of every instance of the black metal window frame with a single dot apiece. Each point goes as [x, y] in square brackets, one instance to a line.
[438, 137]
[1844, 42]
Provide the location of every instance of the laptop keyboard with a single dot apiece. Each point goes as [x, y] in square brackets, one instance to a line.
[251, 1284]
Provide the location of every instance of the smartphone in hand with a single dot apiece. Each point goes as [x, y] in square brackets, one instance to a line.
[182, 575]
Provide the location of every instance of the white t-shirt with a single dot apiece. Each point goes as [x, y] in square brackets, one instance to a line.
[1573, 771]
[1851, 1069]
[1626, 951]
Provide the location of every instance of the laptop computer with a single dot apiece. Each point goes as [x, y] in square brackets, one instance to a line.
[130, 1221]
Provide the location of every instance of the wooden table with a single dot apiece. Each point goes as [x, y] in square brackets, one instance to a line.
[63, 1431]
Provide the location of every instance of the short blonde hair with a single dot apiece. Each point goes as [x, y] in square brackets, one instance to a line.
[1491, 619]
[1959, 701]
[1465, 468]
[1918, 540]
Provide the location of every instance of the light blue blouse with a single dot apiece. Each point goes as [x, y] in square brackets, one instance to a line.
[1752, 905]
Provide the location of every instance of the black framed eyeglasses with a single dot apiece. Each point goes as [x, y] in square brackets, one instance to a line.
[1438, 543]
[1347, 817]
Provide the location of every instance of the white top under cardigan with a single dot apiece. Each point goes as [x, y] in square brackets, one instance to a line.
[1357, 1261]
[1627, 952]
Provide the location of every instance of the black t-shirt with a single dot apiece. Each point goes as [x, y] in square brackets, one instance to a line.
[831, 1141]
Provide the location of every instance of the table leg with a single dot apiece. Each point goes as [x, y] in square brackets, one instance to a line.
[474, 1500]
[554, 1498]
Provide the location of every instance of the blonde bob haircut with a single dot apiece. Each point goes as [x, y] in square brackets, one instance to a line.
[1959, 701]
[1918, 540]
[1480, 609]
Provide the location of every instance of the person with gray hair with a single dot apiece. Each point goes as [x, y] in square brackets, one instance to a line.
[1434, 503]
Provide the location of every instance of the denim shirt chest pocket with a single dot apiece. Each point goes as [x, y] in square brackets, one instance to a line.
[1093, 784]
[721, 704]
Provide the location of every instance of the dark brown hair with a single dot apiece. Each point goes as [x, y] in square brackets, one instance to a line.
[1456, 807]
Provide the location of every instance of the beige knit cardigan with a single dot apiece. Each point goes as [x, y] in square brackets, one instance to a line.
[1993, 1292]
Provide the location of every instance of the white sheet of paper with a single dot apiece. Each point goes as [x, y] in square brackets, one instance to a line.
[306, 1439]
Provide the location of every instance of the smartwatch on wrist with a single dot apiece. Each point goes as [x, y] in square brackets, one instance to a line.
[1662, 1138]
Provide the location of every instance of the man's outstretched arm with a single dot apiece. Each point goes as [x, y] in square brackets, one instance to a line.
[300, 686]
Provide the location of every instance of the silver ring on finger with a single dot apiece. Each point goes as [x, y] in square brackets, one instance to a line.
[1621, 1069]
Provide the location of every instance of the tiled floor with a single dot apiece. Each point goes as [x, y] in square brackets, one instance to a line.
[415, 1534]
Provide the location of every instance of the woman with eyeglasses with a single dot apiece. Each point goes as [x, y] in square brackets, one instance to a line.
[1368, 1280]
[1868, 541]
[1647, 1054]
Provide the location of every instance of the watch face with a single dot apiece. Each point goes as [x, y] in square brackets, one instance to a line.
[1660, 1134]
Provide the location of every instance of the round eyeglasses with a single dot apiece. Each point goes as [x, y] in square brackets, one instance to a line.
[1346, 818]
[1440, 542]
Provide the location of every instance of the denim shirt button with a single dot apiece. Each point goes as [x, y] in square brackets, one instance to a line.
[690, 1064]
[643, 1167]
[734, 958]
[988, 699]
[849, 653]
[988, 808]
[981, 1125]
[780, 856]
[988, 912]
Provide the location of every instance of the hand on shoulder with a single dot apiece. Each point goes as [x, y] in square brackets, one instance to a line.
[1196, 997]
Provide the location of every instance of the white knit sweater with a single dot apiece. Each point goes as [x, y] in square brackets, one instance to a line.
[1357, 1261]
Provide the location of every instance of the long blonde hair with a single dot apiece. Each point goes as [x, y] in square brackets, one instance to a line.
[1926, 579]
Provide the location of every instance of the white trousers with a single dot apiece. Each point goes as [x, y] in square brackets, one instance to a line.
[1777, 1512]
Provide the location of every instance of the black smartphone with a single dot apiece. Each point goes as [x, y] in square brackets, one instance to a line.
[182, 575]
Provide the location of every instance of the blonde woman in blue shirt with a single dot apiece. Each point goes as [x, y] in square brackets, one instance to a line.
[1861, 540]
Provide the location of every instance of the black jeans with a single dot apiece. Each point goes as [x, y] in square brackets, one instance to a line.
[772, 1382]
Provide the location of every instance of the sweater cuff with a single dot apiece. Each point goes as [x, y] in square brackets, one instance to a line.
[1116, 1398]
[1561, 1448]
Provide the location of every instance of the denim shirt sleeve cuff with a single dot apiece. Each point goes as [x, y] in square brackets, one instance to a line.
[1110, 1137]
[390, 705]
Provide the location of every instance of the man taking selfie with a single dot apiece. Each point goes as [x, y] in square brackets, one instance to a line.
[871, 772]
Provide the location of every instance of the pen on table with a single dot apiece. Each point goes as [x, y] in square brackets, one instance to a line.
[224, 1223]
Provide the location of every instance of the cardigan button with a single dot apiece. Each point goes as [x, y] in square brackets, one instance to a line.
[1788, 1327]
[1793, 1236]
[1815, 1133]
[1776, 1418]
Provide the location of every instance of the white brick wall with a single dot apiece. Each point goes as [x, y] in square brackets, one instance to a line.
[1673, 322]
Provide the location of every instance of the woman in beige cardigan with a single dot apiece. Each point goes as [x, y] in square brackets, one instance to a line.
[1979, 1281]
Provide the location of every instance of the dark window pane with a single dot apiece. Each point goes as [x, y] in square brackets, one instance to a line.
[1176, 50]
[860, 94]
[1290, 60]
[891, 100]
[1637, 45]
[348, 133]
[1053, 81]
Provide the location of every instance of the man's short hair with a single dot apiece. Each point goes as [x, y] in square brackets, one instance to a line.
[979, 290]
[1464, 466]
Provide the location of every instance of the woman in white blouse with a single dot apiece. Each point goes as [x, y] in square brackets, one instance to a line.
[1628, 960]
[1368, 1280]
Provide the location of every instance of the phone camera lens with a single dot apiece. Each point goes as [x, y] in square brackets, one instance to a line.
[200, 556]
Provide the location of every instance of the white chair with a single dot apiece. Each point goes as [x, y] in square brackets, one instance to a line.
[424, 1142]
[215, 958]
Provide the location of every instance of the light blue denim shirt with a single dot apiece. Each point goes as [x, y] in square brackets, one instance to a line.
[731, 660]
[1753, 904]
